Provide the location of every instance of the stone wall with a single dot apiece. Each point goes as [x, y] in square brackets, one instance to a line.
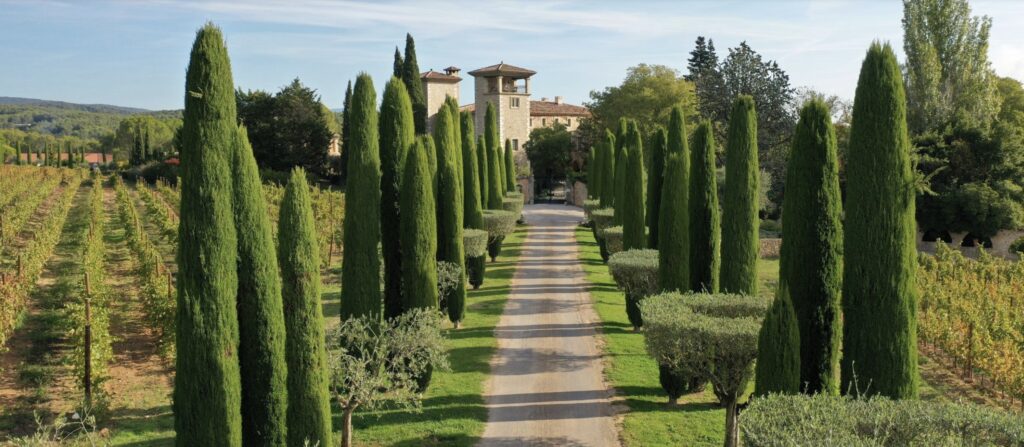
[436, 92]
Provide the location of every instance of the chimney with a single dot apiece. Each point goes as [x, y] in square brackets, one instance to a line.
[544, 99]
[451, 71]
[558, 100]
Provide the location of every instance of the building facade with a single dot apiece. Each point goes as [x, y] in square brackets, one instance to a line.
[436, 87]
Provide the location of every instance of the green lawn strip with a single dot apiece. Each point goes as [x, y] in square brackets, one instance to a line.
[453, 412]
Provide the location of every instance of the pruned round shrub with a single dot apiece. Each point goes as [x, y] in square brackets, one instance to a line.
[513, 205]
[448, 276]
[514, 195]
[474, 242]
[636, 273]
[602, 218]
[590, 205]
[499, 223]
[724, 305]
[612, 239]
[785, 420]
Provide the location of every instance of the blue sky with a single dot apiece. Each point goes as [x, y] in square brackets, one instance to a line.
[134, 53]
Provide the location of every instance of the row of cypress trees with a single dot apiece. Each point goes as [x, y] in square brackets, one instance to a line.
[251, 361]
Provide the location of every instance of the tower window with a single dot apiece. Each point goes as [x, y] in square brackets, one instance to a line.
[513, 103]
[543, 121]
[515, 144]
[568, 122]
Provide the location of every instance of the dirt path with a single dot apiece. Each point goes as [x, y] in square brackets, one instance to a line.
[546, 386]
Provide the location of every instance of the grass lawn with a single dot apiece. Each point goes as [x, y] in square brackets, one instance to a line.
[453, 412]
[698, 420]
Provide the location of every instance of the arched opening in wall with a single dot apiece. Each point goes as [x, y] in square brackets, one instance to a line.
[972, 240]
[934, 235]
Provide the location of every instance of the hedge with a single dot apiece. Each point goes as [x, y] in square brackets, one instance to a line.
[636, 273]
[475, 242]
[589, 206]
[612, 239]
[498, 223]
[780, 420]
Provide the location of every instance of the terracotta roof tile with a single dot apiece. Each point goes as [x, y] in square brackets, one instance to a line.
[503, 69]
[551, 108]
[435, 76]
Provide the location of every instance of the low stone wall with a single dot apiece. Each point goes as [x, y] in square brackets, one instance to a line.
[1000, 244]
[770, 248]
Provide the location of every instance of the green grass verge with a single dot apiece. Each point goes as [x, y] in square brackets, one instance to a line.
[697, 420]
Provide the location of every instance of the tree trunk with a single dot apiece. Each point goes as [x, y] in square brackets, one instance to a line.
[732, 432]
[346, 428]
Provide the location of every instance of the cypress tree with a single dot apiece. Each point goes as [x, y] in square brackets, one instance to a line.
[450, 218]
[655, 178]
[621, 177]
[309, 408]
[740, 221]
[879, 294]
[411, 77]
[608, 170]
[778, 351]
[453, 109]
[510, 167]
[398, 64]
[419, 232]
[397, 134]
[674, 215]
[17, 154]
[485, 179]
[260, 310]
[346, 132]
[431, 152]
[473, 209]
[633, 228]
[207, 390]
[360, 272]
[494, 158]
[705, 230]
[594, 171]
[811, 261]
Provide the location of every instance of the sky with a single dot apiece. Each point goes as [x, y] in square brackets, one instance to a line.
[134, 53]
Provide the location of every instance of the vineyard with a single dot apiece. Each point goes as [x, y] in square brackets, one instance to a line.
[62, 318]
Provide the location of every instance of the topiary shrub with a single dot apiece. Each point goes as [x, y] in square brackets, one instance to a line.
[448, 276]
[818, 419]
[475, 242]
[589, 206]
[612, 239]
[513, 205]
[602, 218]
[636, 273]
[691, 334]
[498, 223]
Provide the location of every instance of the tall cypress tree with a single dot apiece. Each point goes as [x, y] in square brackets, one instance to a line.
[879, 292]
[411, 77]
[674, 215]
[419, 231]
[309, 407]
[450, 218]
[485, 179]
[594, 171]
[778, 351]
[360, 273]
[655, 178]
[494, 158]
[397, 135]
[621, 176]
[811, 261]
[398, 64]
[510, 167]
[346, 132]
[473, 207]
[207, 390]
[261, 351]
[739, 210]
[608, 170]
[633, 228]
[705, 230]
[453, 109]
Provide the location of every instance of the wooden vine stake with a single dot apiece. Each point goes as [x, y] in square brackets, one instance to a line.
[88, 343]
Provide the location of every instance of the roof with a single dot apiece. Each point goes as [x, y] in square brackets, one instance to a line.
[503, 69]
[434, 76]
[551, 108]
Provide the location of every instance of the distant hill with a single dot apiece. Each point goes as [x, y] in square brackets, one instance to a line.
[61, 118]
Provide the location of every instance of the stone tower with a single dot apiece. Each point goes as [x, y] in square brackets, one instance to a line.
[436, 87]
[508, 88]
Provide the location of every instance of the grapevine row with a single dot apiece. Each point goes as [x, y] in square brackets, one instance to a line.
[159, 214]
[17, 213]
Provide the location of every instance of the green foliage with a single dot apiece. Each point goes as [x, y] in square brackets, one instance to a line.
[449, 217]
[949, 76]
[397, 134]
[396, 68]
[360, 273]
[674, 215]
[739, 209]
[823, 420]
[811, 258]
[705, 230]
[655, 179]
[411, 78]
[261, 351]
[510, 167]
[474, 241]
[778, 351]
[621, 173]
[879, 292]
[549, 151]
[207, 390]
[647, 94]
[495, 181]
[290, 128]
[346, 131]
[418, 232]
[594, 173]
[612, 237]
[636, 273]
[634, 230]
[1017, 246]
[607, 169]
[484, 177]
[473, 206]
[374, 364]
[309, 409]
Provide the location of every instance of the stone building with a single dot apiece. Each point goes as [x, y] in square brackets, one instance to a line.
[438, 86]
[546, 113]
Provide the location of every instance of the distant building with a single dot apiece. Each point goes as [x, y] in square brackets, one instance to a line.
[437, 87]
